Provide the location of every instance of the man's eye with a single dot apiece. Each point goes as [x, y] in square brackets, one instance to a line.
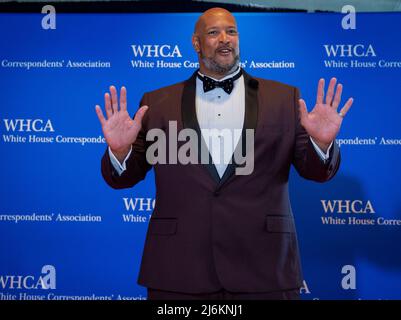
[232, 31]
[212, 33]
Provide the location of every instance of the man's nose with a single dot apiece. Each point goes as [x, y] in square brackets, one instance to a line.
[223, 37]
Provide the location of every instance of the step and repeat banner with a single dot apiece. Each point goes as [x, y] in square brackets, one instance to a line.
[65, 234]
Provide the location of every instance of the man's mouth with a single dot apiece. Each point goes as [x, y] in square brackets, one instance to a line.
[224, 51]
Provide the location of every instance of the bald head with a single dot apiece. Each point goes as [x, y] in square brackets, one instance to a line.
[211, 15]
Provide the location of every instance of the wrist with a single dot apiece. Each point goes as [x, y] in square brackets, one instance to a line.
[323, 146]
[120, 154]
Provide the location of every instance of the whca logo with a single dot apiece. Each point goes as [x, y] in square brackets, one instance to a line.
[46, 280]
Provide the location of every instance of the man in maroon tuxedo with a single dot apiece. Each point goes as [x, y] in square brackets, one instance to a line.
[216, 234]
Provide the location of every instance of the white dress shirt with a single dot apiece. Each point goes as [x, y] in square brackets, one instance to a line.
[222, 115]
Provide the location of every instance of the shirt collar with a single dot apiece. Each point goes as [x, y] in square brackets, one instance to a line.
[226, 77]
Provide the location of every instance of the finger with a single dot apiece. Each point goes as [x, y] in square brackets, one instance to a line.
[346, 107]
[303, 111]
[330, 91]
[107, 103]
[100, 115]
[114, 101]
[320, 92]
[123, 98]
[337, 97]
[140, 114]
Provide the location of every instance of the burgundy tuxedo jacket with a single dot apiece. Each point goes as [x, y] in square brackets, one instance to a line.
[236, 232]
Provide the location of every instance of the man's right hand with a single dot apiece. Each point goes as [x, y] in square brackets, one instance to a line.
[119, 130]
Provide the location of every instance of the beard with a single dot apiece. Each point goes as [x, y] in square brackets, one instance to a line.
[212, 64]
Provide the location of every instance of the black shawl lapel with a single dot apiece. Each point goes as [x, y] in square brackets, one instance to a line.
[189, 119]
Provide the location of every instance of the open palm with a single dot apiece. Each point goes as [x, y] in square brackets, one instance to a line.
[119, 129]
[323, 122]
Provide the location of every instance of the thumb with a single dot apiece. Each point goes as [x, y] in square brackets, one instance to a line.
[140, 114]
[303, 112]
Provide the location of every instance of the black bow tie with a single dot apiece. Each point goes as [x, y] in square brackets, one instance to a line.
[227, 85]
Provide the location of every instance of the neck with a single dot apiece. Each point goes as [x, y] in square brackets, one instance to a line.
[215, 75]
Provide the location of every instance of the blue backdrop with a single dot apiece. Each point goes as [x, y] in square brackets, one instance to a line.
[64, 234]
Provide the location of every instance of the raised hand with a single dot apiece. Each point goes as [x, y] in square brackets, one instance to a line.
[119, 129]
[323, 122]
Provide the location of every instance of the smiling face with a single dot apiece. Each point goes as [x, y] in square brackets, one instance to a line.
[216, 42]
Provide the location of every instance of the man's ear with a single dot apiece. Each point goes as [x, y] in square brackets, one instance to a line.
[195, 43]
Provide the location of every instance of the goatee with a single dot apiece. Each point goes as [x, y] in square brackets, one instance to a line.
[221, 69]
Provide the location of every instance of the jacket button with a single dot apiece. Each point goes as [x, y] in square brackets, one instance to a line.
[216, 193]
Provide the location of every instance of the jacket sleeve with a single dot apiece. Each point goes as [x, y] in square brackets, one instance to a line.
[137, 165]
[305, 159]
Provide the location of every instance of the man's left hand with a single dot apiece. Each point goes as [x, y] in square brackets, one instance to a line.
[323, 122]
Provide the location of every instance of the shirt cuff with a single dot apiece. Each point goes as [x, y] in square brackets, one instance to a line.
[322, 155]
[120, 168]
